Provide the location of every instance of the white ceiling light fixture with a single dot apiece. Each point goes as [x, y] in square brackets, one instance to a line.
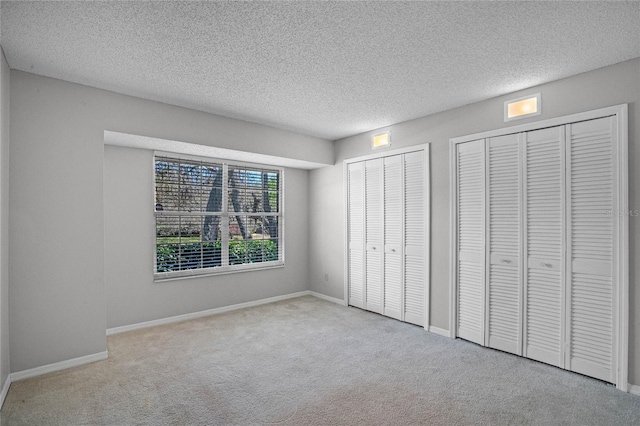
[380, 140]
[526, 106]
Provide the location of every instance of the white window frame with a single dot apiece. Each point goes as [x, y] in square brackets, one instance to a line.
[225, 268]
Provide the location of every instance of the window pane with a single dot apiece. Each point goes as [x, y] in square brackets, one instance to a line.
[211, 191]
[167, 170]
[254, 227]
[211, 228]
[254, 251]
[237, 252]
[237, 227]
[211, 254]
[239, 200]
[254, 179]
[237, 243]
[253, 190]
[190, 256]
[270, 227]
[271, 201]
[271, 191]
[167, 257]
[237, 178]
[272, 178]
[167, 176]
[190, 184]
[190, 229]
[167, 229]
[167, 197]
[270, 250]
[257, 243]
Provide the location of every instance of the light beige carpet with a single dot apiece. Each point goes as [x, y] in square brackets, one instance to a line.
[306, 361]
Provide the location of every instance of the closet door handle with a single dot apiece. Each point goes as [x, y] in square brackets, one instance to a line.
[545, 265]
[505, 261]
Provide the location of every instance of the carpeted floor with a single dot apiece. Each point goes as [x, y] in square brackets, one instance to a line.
[306, 361]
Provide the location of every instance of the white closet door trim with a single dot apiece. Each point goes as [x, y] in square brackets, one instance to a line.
[487, 243]
[622, 227]
[427, 237]
[414, 148]
[618, 110]
[453, 238]
[622, 319]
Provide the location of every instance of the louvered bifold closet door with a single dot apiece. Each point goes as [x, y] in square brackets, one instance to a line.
[356, 228]
[471, 243]
[592, 152]
[374, 212]
[415, 238]
[504, 282]
[544, 282]
[393, 224]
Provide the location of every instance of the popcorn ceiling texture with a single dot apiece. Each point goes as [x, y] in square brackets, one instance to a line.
[327, 69]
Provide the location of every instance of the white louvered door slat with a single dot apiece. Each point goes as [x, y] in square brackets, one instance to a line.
[504, 286]
[355, 226]
[592, 201]
[544, 278]
[374, 231]
[471, 243]
[388, 235]
[542, 269]
[393, 276]
[414, 238]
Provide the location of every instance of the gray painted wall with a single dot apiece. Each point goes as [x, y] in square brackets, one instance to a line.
[4, 219]
[57, 307]
[604, 87]
[133, 297]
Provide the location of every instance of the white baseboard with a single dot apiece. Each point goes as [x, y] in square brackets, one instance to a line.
[439, 331]
[57, 366]
[200, 314]
[327, 298]
[62, 365]
[5, 390]
[634, 389]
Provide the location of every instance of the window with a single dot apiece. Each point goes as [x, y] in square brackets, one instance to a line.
[214, 216]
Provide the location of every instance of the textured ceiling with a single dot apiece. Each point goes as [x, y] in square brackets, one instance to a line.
[327, 69]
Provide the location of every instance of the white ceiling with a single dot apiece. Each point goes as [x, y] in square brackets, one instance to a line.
[327, 69]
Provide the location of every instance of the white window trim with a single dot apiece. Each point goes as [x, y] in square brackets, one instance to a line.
[226, 268]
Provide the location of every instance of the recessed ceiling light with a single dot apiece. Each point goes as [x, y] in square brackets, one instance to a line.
[523, 107]
[380, 140]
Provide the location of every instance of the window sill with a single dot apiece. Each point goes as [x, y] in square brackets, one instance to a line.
[221, 270]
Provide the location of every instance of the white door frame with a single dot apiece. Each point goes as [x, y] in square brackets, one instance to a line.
[621, 303]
